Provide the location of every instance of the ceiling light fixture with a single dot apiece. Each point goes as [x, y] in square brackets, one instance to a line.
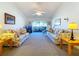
[38, 9]
[39, 14]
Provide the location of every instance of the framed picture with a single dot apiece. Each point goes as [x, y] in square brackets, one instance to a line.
[9, 19]
[58, 21]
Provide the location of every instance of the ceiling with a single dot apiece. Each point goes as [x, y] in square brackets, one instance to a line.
[28, 9]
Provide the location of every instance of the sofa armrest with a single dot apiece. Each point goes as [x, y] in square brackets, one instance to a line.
[23, 37]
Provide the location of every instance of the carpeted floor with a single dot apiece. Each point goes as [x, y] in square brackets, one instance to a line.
[36, 45]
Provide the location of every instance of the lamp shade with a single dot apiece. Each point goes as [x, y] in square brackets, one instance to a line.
[73, 25]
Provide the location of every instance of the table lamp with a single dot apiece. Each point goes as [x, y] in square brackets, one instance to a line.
[72, 26]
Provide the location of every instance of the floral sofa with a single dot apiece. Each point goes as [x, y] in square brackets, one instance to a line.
[19, 36]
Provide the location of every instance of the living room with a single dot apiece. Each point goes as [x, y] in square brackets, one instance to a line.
[39, 28]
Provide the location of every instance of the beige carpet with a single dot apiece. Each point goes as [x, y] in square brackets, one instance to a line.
[36, 45]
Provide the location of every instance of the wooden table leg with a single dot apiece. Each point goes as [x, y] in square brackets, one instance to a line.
[61, 43]
[1, 49]
[69, 49]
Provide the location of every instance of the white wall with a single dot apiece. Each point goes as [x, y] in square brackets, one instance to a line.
[13, 10]
[37, 19]
[70, 10]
